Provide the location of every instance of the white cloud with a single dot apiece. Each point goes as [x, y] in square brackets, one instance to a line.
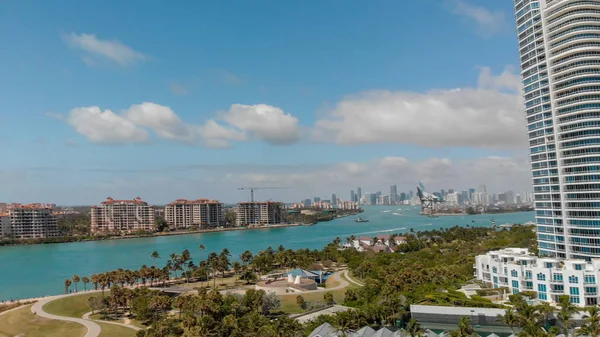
[263, 122]
[162, 120]
[113, 50]
[106, 127]
[241, 123]
[216, 135]
[489, 116]
[488, 22]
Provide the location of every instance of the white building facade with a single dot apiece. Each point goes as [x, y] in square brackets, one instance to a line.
[518, 270]
[122, 216]
[559, 45]
[204, 213]
[260, 213]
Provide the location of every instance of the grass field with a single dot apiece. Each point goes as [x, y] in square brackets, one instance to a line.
[71, 306]
[288, 302]
[111, 330]
[22, 322]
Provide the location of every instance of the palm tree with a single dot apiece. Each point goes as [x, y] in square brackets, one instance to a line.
[213, 262]
[95, 280]
[67, 285]
[591, 323]
[510, 318]
[246, 257]
[85, 281]
[76, 280]
[155, 256]
[237, 268]
[545, 309]
[464, 328]
[414, 329]
[567, 310]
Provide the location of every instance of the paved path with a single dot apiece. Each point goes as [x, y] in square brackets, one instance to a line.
[93, 329]
[347, 276]
[87, 318]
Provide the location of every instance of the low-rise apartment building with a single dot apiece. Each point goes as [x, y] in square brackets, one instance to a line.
[28, 222]
[260, 213]
[519, 270]
[204, 213]
[122, 216]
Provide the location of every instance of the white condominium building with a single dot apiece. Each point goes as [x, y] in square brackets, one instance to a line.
[116, 216]
[259, 213]
[28, 222]
[559, 45]
[518, 270]
[204, 213]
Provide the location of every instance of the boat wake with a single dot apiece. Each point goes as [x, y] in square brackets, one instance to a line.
[396, 214]
[382, 231]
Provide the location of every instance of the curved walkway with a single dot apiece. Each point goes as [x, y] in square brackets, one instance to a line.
[87, 318]
[347, 276]
[93, 329]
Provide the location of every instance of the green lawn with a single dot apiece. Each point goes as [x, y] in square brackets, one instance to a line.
[288, 302]
[71, 306]
[111, 330]
[22, 322]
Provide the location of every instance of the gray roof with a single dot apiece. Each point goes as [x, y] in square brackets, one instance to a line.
[366, 331]
[324, 330]
[385, 332]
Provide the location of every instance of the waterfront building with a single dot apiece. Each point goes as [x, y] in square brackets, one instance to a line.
[347, 205]
[29, 222]
[452, 198]
[334, 199]
[5, 226]
[559, 44]
[352, 196]
[260, 213]
[203, 213]
[122, 216]
[519, 270]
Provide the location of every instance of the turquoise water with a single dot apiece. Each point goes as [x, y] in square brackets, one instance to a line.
[32, 271]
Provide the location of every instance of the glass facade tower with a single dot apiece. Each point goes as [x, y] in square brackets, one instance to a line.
[559, 48]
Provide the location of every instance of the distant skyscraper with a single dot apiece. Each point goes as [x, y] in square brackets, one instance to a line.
[442, 193]
[317, 199]
[393, 194]
[358, 194]
[373, 198]
[510, 197]
[559, 56]
[464, 197]
[333, 199]
[307, 202]
[482, 189]
[451, 190]
[411, 194]
[402, 196]
[471, 191]
[352, 196]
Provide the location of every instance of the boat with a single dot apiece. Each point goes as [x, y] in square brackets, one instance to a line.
[359, 219]
[386, 211]
[396, 213]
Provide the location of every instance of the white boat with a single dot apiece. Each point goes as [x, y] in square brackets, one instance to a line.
[386, 211]
[396, 214]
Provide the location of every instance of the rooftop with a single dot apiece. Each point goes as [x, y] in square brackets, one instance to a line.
[196, 201]
[136, 200]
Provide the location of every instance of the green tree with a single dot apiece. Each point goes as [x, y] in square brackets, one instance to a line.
[510, 319]
[328, 297]
[75, 280]
[566, 312]
[85, 281]
[414, 329]
[301, 302]
[155, 255]
[591, 323]
[464, 328]
[67, 285]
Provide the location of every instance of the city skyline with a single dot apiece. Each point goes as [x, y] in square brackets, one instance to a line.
[125, 109]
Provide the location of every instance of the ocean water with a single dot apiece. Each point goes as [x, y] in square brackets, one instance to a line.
[39, 270]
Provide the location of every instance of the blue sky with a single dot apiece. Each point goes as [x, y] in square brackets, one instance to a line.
[146, 98]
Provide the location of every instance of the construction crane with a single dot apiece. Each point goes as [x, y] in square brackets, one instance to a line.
[252, 189]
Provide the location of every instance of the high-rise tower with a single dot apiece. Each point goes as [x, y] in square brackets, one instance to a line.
[559, 45]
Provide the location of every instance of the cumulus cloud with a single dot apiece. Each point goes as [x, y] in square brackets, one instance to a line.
[113, 50]
[240, 123]
[106, 127]
[488, 22]
[162, 120]
[489, 116]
